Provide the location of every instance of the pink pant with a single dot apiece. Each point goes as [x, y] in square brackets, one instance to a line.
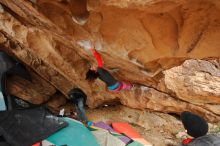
[123, 86]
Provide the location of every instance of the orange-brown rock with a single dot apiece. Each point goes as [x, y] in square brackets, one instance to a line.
[142, 42]
[37, 91]
[197, 81]
[56, 102]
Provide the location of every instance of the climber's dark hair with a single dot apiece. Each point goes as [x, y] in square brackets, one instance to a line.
[76, 93]
[92, 75]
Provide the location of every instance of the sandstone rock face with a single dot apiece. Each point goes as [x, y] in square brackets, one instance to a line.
[156, 127]
[168, 49]
[196, 81]
[38, 91]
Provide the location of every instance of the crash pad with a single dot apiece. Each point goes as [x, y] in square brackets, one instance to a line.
[126, 129]
[75, 134]
[2, 102]
[2, 98]
[104, 138]
[25, 127]
[105, 126]
[135, 143]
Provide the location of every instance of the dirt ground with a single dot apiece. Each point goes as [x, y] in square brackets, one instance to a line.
[158, 128]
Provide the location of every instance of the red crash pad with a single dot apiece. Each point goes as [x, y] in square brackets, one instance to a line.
[126, 129]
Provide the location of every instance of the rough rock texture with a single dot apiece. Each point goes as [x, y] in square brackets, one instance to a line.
[142, 42]
[157, 128]
[38, 91]
[196, 81]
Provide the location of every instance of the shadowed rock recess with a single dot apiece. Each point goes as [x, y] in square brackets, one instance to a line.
[170, 51]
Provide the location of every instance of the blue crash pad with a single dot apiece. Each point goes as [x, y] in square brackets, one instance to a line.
[75, 134]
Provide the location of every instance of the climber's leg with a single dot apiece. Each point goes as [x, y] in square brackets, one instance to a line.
[126, 86]
[79, 115]
[120, 86]
[81, 110]
[106, 77]
[116, 87]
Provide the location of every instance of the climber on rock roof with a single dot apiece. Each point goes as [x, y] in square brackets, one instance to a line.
[101, 73]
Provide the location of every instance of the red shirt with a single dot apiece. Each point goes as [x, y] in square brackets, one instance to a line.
[97, 57]
[187, 141]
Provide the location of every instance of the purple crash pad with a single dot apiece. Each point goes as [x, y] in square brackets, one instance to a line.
[102, 125]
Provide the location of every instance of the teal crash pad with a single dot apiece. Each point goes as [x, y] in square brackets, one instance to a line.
[75, 134]
[135, 143]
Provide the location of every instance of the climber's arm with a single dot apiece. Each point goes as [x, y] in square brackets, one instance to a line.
[87, 45]
[97, 57]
